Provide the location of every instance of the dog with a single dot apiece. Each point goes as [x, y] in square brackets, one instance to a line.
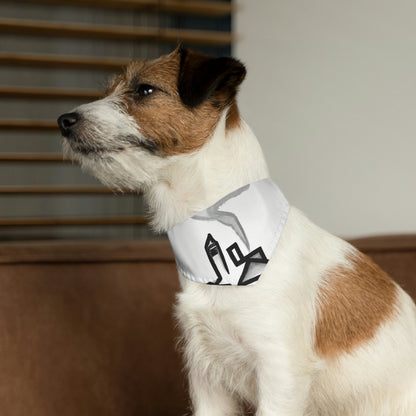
[322, 330]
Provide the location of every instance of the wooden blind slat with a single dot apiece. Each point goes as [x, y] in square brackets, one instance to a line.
[28, 125]
[202, 8]
[31, 157]
[61, 29]
[48, 93]
[56, 61]
[115, 220]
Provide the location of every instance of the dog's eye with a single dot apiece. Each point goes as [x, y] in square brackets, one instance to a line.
[143, 90]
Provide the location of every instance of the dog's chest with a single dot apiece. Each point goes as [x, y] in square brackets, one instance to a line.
[214, 341]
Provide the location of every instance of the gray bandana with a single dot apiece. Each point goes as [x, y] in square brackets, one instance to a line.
[230, 242]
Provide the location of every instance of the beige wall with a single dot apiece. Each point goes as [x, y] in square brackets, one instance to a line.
[331, 95]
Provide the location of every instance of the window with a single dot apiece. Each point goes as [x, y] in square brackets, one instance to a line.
[55, 55]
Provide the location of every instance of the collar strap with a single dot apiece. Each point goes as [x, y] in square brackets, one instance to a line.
[230, 242]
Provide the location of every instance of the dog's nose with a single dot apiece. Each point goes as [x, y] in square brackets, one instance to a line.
[67, 121]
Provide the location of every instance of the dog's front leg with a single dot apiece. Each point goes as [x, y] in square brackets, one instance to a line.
[209, 399]
[283, 386]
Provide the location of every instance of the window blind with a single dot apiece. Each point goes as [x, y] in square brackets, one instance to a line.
[55, 55]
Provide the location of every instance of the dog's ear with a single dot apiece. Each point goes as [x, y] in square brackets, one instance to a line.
[202, 77]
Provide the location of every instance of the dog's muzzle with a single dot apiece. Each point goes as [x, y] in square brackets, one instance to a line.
[67, 123]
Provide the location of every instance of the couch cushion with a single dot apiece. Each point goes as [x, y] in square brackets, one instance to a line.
[87, 329]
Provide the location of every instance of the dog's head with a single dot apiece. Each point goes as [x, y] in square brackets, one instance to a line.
[153, 112]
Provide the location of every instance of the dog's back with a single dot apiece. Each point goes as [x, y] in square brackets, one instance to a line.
[323, 318]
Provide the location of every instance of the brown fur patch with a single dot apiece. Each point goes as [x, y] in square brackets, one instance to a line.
[162, 117]
[233, 116]
[353, 302]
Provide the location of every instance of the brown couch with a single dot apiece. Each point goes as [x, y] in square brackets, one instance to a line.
[86, 328]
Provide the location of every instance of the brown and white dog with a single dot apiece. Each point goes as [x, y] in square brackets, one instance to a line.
[324, 331]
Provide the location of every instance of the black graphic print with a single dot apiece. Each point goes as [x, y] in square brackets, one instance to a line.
[216, 258]
[254, 262]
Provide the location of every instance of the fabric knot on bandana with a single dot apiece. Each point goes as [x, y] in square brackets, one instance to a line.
[231, 242]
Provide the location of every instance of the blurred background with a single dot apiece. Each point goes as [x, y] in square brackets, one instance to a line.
[330, 93]
[55, 55]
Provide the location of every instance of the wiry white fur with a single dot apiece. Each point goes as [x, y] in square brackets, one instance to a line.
[105, 123]
[379, 378]
[256, 343]
[173, 197]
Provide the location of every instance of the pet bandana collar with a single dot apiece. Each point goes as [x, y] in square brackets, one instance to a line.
[230, 242]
